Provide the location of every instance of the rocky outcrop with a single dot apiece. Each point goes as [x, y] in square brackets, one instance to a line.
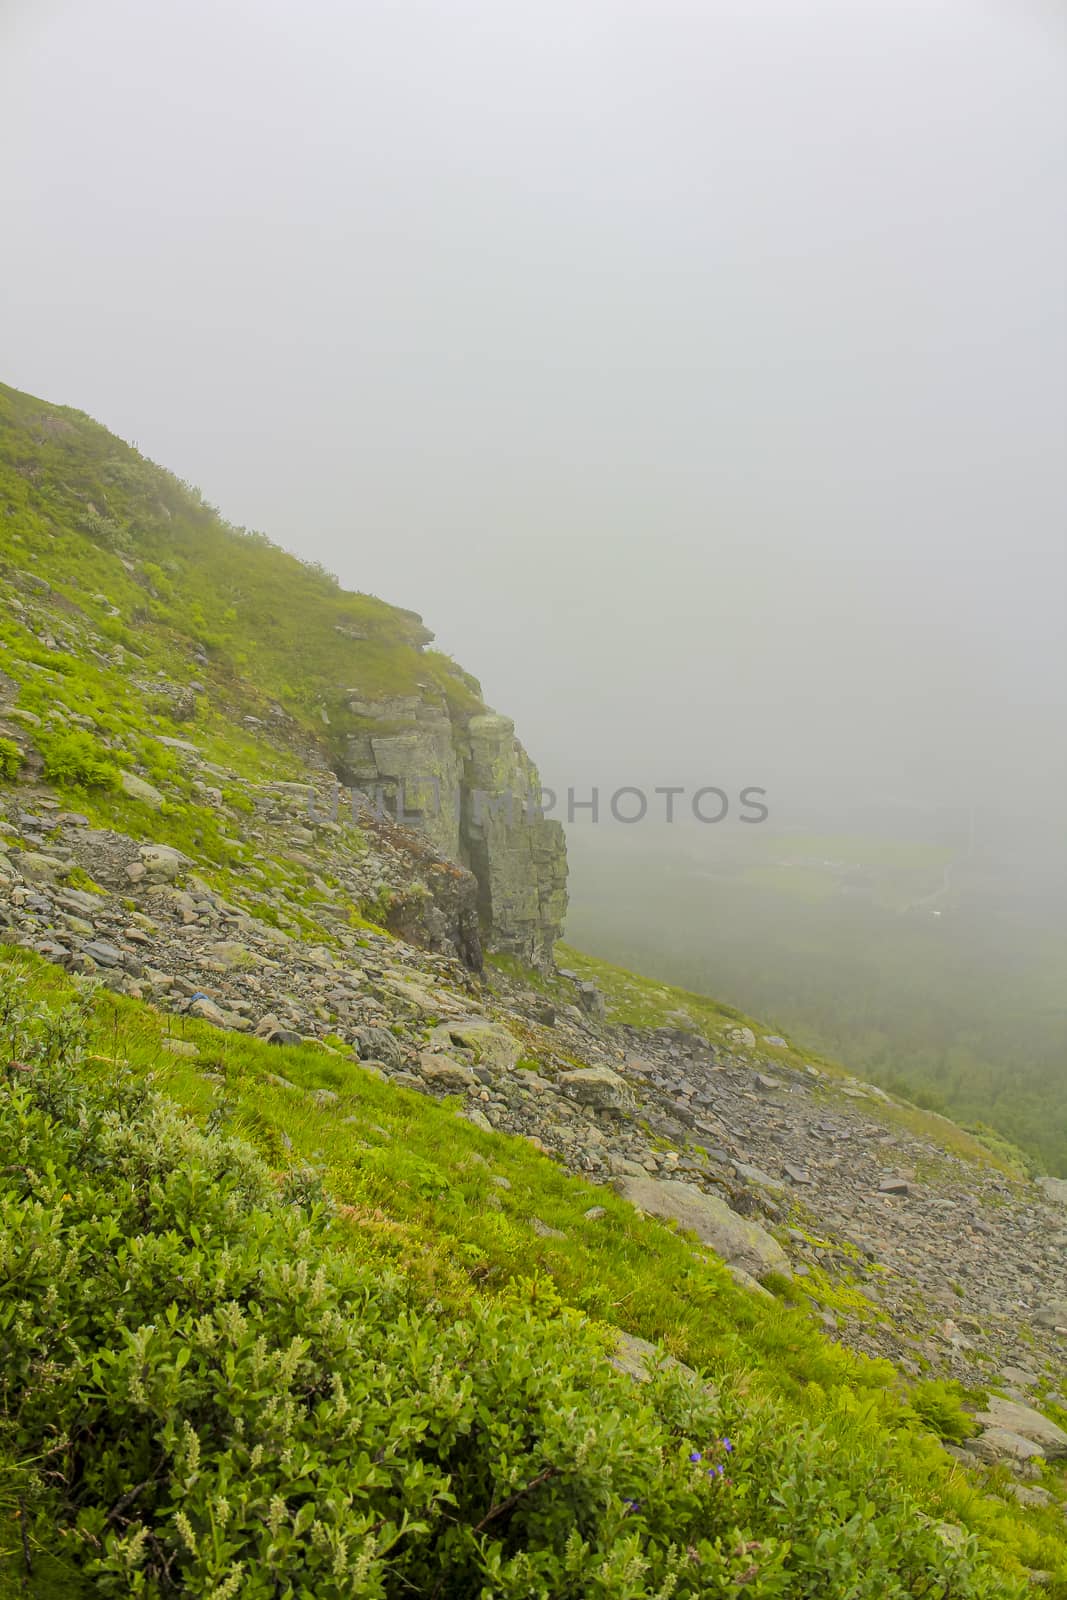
[466, 785]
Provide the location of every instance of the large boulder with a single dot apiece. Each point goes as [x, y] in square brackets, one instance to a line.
[1011, 1416]
[161, 863]
[491, 1044]
[1055, 1190]
[741, 1243]
[998, 1444]
[444, 1073]
[136, 788]
[1052, 1315]
[598, 1087]
[38, 868]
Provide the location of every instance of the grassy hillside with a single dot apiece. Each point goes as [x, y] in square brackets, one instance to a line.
[169, 587]
[355, 1373]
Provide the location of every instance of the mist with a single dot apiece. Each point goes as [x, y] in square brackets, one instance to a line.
[700, 374]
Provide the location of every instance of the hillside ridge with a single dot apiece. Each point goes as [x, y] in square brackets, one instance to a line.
[213, 626]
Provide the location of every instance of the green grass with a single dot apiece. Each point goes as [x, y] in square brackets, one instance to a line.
[413, 1183]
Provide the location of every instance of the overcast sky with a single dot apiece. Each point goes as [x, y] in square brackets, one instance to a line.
[699, 371]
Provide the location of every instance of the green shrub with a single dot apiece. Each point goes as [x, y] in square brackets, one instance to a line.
[209, 1387]
[10, 760]
[75, 760]
[939, 1406]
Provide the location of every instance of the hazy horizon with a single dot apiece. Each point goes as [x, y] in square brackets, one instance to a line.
[700, 377]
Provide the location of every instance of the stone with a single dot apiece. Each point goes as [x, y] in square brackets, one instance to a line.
[591, 1001]
[1010, 1416]
[161, 864]
[468, 789]
[444, 1073]
[894, 1186]
[542, 1229]
[378, 1044]
[1027, 1495]
[595, 1214]
[39, 868]
[738, 1241]
[136, 788]
[997, 1444]
[598, 1087]
[756, 1175]
[1054, 1189]
[491, 1044]
[639, 1359]
[742, 1036]
[180, 1047]
[233, 955]
[208, 1010]
[104, 954]
[1019, 1377]
[1053, 1314]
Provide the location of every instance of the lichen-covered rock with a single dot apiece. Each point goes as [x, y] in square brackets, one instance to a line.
[741, 1243]
[598, 1087]
[491, 1044]
[1010, 1416]
[161, 864]
[136, 788]
[444, 1073]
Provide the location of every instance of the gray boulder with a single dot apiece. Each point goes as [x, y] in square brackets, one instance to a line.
[598, 1087]
[138, 789]
[1055, 1190]
[1052, 1315]
[161, 864]
[491, 1044]
[1011, 1416]
[740, 1243]
[444, 1073]
[38, 868]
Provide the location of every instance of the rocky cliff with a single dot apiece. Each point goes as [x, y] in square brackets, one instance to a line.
[125, 585]
[467, 785]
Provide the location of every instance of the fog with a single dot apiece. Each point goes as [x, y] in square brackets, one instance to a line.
[699, 371]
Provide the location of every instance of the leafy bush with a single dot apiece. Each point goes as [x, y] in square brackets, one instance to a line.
[74, 760]
[10, 760]
[208, 1387]
[940, 1408]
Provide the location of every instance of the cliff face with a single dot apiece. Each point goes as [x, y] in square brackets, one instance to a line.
[464, 781]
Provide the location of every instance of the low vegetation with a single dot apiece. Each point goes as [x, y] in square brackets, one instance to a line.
[255, 1344]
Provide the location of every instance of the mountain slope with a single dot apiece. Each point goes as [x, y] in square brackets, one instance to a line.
[474, 1189]
[136, 614]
